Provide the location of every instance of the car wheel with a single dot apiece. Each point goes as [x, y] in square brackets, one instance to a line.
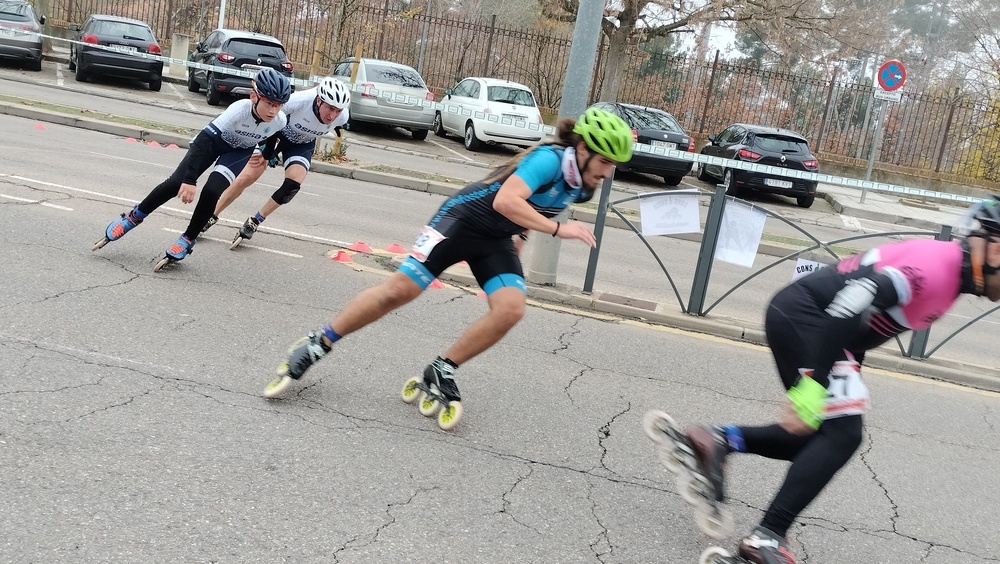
[212, 96]
[418, 134]
[72, 61]
[731, 188]
[35, 65]
[438, 126]
[472, 142]
[805, 201]
[672, 180]
[81, 75]
[156, 84]
[703, 174]
[193, 85]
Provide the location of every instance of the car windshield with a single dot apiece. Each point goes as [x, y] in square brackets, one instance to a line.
[781, 144]
[254, 49]
[124, 30]
[15, 11]
[649, 118]
[510, 95]
[401, 76]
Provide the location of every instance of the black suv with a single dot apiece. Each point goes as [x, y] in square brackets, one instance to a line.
[124, 39]
[759, 144]
[237, 50]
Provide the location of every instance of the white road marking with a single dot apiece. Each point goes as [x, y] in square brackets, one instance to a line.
[187, 102]
[452, 151]
[247, 245]
[59, 74]
[132, 160]
[852, 223]
[26, 200]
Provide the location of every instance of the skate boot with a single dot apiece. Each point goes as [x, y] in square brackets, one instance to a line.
[301, 355]
[763, 546]
[710, 447]
[176, 252]
[118, 228]
[436, 394]
[442, 375]
[246, 232]
[211, 221]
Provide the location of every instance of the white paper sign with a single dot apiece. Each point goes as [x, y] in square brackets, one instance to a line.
[803, 267]
[740, 233]
[676, 212]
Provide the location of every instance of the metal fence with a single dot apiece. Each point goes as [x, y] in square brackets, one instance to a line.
[941, 134]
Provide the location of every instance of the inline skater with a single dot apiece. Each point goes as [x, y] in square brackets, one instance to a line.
[228, 142]
[311, 114]
[483, 224]
[819, 328]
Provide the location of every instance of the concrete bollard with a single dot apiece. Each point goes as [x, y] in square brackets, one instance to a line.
[179, 47]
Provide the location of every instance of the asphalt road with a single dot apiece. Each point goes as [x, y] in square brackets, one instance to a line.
[132, 427]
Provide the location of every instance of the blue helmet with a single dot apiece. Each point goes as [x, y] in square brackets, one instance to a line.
[272, 85]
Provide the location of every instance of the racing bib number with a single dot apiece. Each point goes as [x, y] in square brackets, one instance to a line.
[848, 394]
[428, 239]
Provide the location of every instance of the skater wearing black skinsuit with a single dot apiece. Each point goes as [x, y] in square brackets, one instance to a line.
[818, 329]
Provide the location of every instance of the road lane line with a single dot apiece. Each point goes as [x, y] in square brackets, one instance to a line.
[852, 223]
[229, 242]
[452, 151]
[26, 200]
[59, 75]
[187, 102]
[48, 205]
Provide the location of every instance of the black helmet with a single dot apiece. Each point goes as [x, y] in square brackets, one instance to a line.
[272, 85]
[982, 217]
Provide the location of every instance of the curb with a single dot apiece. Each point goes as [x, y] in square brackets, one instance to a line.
[954, 372]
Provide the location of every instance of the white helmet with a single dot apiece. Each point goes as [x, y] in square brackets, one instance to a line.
[333, 92]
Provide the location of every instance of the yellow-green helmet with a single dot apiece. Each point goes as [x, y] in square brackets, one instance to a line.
[605, 133]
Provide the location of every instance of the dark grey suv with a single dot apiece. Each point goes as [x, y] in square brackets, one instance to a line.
[236, 50]
[773, 146]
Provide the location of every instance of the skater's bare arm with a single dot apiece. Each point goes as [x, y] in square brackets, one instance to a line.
[512, 202]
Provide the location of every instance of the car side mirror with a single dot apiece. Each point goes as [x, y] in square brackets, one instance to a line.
[73, 27]
[199, 46]
[448, 91]
[711, 138]
[41, 20]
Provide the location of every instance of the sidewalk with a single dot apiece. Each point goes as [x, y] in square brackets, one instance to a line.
[887, 208]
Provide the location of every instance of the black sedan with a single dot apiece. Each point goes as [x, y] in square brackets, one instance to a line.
[657, 128]
[111, 46]
[773, 146]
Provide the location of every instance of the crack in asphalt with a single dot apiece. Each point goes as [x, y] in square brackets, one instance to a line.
[505, 510]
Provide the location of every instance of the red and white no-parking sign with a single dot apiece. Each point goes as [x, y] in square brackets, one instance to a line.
[891, 75]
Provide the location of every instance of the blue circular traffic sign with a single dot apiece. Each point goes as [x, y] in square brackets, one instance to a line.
[891, 75]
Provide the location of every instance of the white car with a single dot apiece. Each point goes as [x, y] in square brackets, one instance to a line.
[488, 110]
[393, 94]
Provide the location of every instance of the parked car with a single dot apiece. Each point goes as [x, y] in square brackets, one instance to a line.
[234, 49]
[20, 33]
[410, 111]
[510, 105]
[125, 38]
[657, 128]
[764, 145]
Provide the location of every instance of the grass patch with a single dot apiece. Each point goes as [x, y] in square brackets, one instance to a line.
[434, 177]
[83, 112]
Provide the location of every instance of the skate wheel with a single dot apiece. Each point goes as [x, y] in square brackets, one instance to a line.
[694, 488]
[100, 244]
[159, 265]
[715, 555]
[714, 521]
[672, 458]
[236, 243]
[428, 406]
[655, 423]
[411, 393]
[449, 416]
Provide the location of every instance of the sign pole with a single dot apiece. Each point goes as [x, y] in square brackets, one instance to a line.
[890, 76]
[876, 143]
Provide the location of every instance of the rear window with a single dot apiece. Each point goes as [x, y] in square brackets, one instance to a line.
[781, 144]
[510, 95]
[647, 118]
[16, 12]
[123, 30]
[254, 49]
[401, 76]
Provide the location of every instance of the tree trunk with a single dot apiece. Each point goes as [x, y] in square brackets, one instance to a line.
[614, 65]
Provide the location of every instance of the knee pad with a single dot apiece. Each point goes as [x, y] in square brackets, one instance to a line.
[286, 192]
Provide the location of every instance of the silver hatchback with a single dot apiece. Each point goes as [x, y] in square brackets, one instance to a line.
[20, 33]
[394, 94]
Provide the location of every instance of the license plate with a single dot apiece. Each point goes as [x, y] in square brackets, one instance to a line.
[664, 144]
[778, 183]
[252, 67]
[123, 48]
